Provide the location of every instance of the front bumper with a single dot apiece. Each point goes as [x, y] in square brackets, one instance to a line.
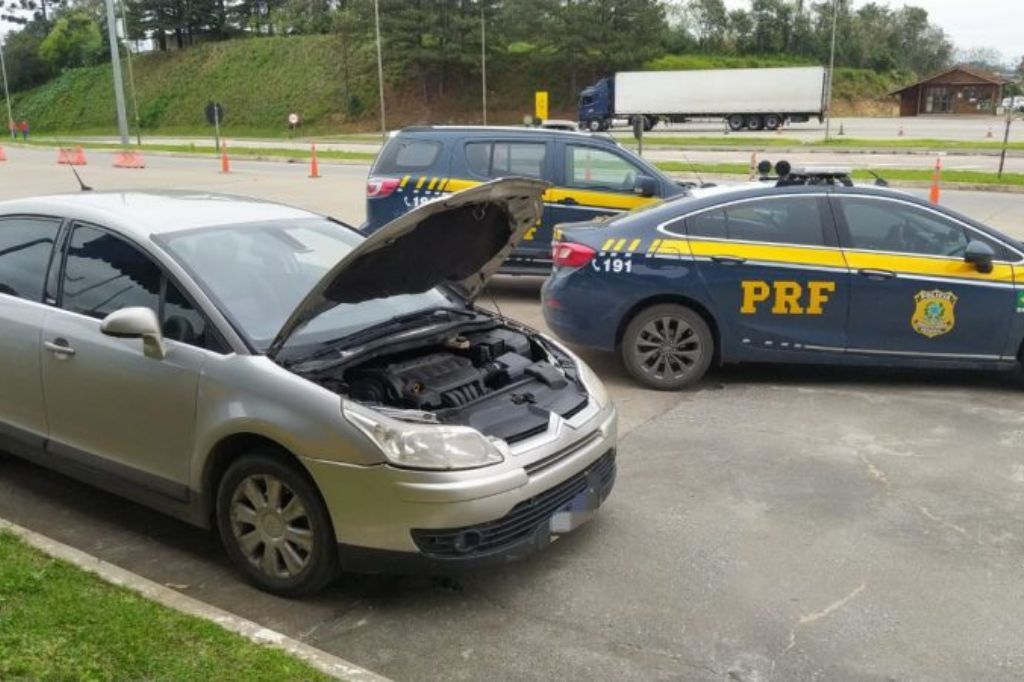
[389, 519]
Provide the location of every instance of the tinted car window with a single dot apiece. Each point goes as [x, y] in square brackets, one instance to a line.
[181, 321]
[105, 273]
[503, 159]
[779, 220]
[880, 225]
[25, 247]
[405, 155]
[599, 169]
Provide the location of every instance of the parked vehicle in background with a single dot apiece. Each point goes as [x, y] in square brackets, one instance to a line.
[559, 124]
[751, 99]
[591, 176]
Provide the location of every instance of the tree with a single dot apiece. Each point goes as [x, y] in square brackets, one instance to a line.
[25, 68]
[75, 40]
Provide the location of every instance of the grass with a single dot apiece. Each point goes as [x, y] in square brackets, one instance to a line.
[754, 143]
[209, 150]
[892, 174]
[60, 623]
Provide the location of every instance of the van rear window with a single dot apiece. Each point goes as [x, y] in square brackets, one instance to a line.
[403, 156]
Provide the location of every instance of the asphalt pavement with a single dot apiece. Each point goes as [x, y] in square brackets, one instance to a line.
[774, 524]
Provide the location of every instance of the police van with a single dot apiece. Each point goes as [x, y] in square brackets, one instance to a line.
[591, 176]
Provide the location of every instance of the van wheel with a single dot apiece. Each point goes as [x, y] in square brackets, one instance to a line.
[772, 121]
[594, 125]
[667, 347]
[754, 122]
[274, 525]
[736, 122]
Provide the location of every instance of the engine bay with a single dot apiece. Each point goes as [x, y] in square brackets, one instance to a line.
[500, 381]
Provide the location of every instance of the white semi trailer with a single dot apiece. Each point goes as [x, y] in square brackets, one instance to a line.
[750, 99]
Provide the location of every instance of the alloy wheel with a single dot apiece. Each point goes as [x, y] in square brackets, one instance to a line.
[667, 348]
[271, 526]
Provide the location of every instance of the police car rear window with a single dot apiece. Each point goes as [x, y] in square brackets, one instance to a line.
[403, 156]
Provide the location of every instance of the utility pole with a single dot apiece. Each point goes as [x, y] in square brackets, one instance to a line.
[380, 71]
[131, 76]
[115, 63]
[7, 93]
[483, 60]
[831, 70]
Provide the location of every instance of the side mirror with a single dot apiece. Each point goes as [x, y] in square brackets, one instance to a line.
[645, 186]
[980, 254]
[137, 323]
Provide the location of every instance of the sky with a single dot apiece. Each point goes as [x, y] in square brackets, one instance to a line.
[970, 23]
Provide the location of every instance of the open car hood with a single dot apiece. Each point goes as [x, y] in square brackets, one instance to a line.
[460, 240]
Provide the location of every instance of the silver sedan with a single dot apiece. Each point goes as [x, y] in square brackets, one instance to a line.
[326, 401]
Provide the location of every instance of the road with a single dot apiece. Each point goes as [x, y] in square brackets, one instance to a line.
[773, 524]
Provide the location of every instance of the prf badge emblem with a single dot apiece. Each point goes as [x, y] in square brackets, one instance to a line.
[933, 312]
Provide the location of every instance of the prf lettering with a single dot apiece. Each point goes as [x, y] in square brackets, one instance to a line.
[786, 297]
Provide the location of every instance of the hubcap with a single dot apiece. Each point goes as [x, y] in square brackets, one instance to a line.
[271, 526]
[668, 348]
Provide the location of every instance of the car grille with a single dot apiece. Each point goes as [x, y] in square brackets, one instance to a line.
[544, 463]
[520, 523]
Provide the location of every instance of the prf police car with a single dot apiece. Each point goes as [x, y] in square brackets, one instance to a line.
[591, 176]
[809, 269]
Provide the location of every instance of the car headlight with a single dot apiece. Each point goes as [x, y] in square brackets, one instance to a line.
[592, 382]
[424, 446]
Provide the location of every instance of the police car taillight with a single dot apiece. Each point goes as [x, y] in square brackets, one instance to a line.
[570, 255]
[378, 188]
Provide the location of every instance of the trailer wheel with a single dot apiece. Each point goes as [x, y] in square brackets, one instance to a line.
[754, 122]
[736, 122]
[772, 121]
[649, 122]
[594, 125]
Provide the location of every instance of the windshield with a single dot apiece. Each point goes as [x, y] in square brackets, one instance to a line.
[257, 273]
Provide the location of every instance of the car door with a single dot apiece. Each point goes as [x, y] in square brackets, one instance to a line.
[497, 158]
[912, 292]
[593, 182]
[111, 408]
[774, 272]
[26, 245]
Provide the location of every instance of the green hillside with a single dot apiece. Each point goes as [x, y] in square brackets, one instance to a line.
[331, 85]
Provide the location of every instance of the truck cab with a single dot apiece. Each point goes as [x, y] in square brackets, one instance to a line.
[590, 175]
[595, 105]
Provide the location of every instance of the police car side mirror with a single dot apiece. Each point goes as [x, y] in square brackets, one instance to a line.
[645, 186]
[980, 254]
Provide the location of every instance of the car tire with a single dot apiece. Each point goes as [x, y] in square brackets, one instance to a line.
[754, 122]
[736, 122]
[281, 548]
[595, 125]
[667, 347]
[649, 122]
[772, 121]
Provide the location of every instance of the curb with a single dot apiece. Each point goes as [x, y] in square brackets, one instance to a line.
[326, 663]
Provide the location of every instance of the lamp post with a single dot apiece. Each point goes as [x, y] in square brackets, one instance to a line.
[831, 70]
[483, 61]
[380, 71]
[7, 93]
[115, 63]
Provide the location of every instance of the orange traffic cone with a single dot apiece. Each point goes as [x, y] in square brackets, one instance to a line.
[129, 159]
[3, 154]
[63, 157]
[225, 164]
[78, 157]
[933, 194]
[71, 157]
[314, 167]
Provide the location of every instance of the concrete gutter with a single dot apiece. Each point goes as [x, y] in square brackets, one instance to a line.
[326, 663]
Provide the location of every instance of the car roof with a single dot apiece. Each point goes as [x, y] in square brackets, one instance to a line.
[490, 131]
[145, 213]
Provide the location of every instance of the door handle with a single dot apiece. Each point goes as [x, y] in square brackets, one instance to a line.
[871, 273]
[59, 347]
[568, 201]
[728, 260]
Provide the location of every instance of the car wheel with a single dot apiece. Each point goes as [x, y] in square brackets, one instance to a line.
[754, 122]
[274, 525]
[736, 122]
[667, 347]
[594, 125]
[772, 121]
